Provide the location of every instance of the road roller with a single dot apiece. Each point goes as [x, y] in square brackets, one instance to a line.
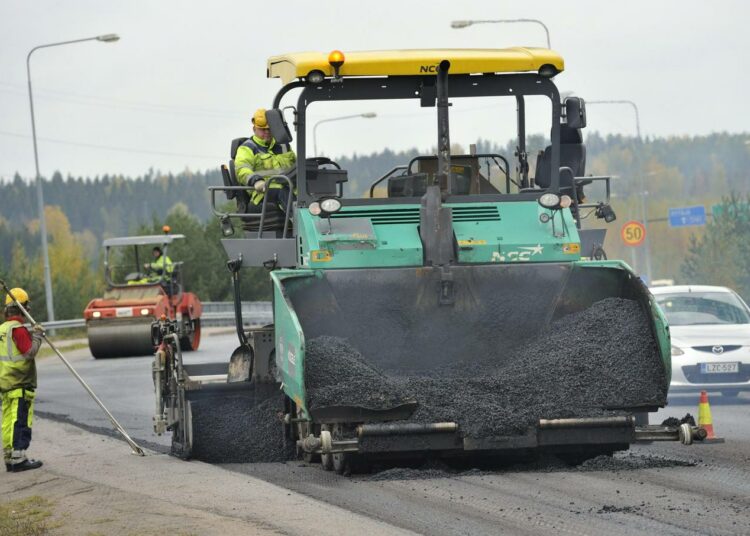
[455, 307]
[119, 323]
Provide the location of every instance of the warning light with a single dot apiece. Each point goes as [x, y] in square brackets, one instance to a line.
[166, 229]
[336, 58]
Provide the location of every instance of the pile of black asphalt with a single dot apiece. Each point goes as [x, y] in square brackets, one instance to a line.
[336, 373]
[239, 427]
[585, 364]
[621, 461]
[674, 421]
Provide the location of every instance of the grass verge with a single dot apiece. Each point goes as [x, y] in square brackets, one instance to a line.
[46, 351]
[25, 517]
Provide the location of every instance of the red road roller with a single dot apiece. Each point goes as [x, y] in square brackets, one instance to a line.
[119, 323]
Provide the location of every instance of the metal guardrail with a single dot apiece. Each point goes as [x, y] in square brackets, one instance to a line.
[214, 314]
[64, 324]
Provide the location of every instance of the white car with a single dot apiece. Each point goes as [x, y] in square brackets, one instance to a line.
[710, 328]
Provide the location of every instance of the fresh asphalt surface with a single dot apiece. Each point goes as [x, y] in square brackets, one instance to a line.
[636, 494]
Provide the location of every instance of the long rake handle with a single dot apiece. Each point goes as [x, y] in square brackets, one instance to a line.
[133, 445]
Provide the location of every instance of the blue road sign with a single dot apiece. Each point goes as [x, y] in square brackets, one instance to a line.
[687, 216]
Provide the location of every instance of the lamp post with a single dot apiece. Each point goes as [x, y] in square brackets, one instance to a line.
[458, 24]
[366, 115]
[642, 185]
[106, 38]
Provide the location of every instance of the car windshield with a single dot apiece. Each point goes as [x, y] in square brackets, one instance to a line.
[693, 308]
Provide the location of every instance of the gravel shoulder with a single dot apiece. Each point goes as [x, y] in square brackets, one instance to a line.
[94, 485]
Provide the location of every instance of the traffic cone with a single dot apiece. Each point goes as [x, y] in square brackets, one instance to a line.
[705, 421]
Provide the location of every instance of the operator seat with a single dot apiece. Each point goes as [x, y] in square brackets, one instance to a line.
[572, 155]
[171, 284]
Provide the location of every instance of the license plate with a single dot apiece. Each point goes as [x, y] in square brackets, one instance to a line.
[121, 312]
[719, 368]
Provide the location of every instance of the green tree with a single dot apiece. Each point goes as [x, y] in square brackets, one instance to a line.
[722, 255]
[205, 270]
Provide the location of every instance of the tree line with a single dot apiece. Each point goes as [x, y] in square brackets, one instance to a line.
[677, 171]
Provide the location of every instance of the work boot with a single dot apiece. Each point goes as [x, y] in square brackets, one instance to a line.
[23, 466]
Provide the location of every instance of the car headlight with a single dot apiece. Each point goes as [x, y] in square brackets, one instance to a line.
[677, 351]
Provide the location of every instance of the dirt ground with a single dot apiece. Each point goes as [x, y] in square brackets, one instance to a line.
[93, 485]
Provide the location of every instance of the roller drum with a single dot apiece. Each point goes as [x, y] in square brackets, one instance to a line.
[120, 338]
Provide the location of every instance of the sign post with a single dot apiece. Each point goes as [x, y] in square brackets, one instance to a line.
[633, 233]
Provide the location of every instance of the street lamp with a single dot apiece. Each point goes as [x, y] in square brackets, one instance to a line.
[106, 38]
[644, 218]
[366, 115]
[458, 24]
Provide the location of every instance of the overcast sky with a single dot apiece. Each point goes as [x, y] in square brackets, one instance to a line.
[186, 76]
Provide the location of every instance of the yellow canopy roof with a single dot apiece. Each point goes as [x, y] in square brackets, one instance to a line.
[289, 67]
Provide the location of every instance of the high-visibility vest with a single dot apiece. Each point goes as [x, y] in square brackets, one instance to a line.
[8, 349]
[15, 370]
[163, 263]
[260, 148]
[264, 158]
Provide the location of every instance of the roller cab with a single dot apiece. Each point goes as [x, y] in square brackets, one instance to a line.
[119, 323]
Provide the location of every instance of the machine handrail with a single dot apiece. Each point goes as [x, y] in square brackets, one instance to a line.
[381, 179]
[261, 215]
[407, 167]
[270, 179]
[592, 178]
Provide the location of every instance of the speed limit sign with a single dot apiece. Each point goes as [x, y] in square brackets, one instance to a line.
[633, 233]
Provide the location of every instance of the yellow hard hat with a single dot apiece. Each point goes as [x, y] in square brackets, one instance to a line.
[18, 294]
[259, 118]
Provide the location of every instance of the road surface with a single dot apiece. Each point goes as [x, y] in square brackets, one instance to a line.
[661, 488]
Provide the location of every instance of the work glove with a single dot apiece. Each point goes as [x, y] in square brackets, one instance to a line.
[37, 331]
[147, 266]
[260, 186]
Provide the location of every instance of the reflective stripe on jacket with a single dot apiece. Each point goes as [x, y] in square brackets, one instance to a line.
[256, 155]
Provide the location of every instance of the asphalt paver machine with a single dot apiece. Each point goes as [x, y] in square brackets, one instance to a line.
[436, 266]
[119, 323]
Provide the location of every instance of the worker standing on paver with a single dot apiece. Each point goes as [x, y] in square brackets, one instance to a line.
[18, 348]
[260, 153]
